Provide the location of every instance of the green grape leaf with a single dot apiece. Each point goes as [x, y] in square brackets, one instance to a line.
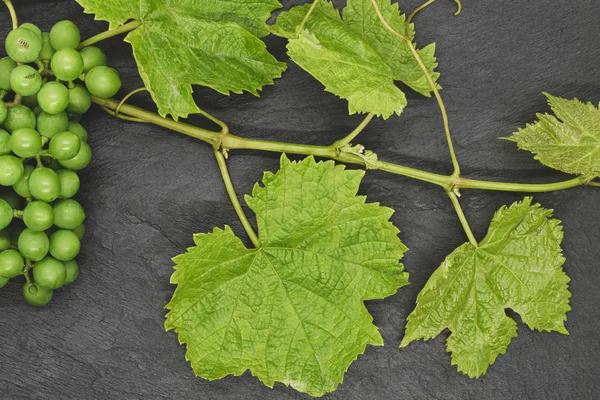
[116, 12]
[518, 265]
[292, 310]
[356, 57]
[569, 141]
[361, 16]
[181, 43]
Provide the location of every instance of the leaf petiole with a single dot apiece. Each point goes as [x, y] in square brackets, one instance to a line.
[461, 216]
[128, 27]
[234, 199]
[346, 140]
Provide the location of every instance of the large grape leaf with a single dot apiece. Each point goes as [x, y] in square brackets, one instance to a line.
[179, 43]
[518, 265]
[356, 57]
[569, 141]
[291, 310]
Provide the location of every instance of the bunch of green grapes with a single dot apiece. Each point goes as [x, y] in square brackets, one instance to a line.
[42, 145]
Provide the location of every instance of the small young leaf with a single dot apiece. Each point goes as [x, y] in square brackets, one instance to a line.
[356, 57]
[292, 310]
[569, 141]
[518, 265]
[211, 43]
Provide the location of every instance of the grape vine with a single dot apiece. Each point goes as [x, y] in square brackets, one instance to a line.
[291, 308]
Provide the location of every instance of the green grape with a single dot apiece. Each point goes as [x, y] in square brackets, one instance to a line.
[69, 183]
[4, 139]
[22, 186]
[33, 245]
[18, 117]
[25, 142]
[30, 101]
[5, 241]
[80, 100]
[33, 28]
[6, 214]
[53, 97]
[11, 170]
[79, 130]
[103, 82]
[81, 160]
[64, 245]
[72, 269]
[49, 273]
[47, 50]
[67, 64]
[68, 214]
[92, 57]
[64, 146]
[35, 295]
[65, 34]
[44, 184]
[6, 67]
[23, 45]
[25, 80]
[12, 199]
[11, 264]
[38, 216]
[79, 231]
[37, 110]
[50, 124]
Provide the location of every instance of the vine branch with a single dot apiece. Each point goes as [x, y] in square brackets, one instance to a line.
[234, 199]
[233, 142]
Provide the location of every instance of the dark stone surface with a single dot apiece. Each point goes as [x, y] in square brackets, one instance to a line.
[148, 190]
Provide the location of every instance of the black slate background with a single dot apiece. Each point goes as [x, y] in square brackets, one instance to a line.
[148, 190]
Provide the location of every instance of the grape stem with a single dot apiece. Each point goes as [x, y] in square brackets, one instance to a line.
[234, 199]
[28, 266]
[13, 13]
[233, 142]
[128, 27]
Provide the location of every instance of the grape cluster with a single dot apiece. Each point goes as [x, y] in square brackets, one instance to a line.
[42, 145]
